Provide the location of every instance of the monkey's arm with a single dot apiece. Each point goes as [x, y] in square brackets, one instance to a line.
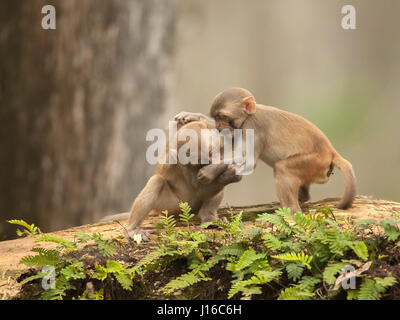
[186, 117]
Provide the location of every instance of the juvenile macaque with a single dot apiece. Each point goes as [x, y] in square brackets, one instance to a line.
[296, 149]
[198, 184]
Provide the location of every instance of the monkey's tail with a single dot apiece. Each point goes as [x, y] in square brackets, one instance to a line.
[350, 180]
[119, 216]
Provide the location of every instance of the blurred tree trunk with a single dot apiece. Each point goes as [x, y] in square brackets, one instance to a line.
[75, 106]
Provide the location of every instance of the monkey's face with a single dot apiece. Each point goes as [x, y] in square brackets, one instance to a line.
[231, 108]
[223, 122]
[232, 114]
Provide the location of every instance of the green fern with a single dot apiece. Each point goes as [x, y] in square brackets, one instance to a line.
[272, 242]
[73, 271]
[120, 273]
[360, 249]
[235, 226]
[331, 270]
[106, 246]
[251, 286]
[148, 259]
[248, 257]
[185, 280]
[168, 222]
[295, 293]
[391, 229]
[308, 283]
[30, 229]
[277, 221]
[65, 243]
[39, 275]
[235, 249]
[293, 256]
[43, 258]
[373, 289]
[97, 295]
[294, 270]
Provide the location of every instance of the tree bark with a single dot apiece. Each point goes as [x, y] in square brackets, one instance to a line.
[75, 105]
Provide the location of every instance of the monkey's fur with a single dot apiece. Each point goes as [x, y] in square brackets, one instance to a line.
[199, 185]
[297, 150]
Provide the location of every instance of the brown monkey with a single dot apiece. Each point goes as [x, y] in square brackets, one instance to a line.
[199, 185]
[297, 150]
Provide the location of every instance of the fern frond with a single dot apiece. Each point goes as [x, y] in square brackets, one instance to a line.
[236, 249]
[308, 283]
[30, 229]
[124, 280]
[331, 270]
[295, 293]
[373, 289]
[368, 291]
[294, 270]
[168, 222]
[250, 286]
[235, 224]
[56, 239]
[277, 221]
[39, 275]
[391, 229]
[360, 249]
[106, 246]
[43, 258]
[248, 257]
[73, 271]
[185, 280]
[149, 258]
[254, 232]
[292, 256]
[271, 242]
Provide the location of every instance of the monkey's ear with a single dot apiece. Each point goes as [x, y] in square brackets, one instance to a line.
[249, 105]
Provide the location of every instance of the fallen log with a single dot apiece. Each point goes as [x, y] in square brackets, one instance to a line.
[12, 251]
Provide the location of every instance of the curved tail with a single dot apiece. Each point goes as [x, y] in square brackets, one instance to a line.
[350, 180]
[118, 216]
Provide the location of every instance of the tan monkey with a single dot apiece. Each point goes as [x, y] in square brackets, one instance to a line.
[297, 150]
[199, 185]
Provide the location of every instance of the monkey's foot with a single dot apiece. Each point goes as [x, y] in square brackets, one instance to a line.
[138, 235]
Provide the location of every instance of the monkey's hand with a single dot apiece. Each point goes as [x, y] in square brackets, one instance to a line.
[204, 177]
[138, 235]
[186, 117]
[208, 173]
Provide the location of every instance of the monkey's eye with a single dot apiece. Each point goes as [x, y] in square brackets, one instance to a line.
[222, 118]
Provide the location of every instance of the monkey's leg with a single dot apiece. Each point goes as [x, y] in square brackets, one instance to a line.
[208, 173]
[287, 187]
[147, 200]
[304, 193]
[297, 171]
[208, 210]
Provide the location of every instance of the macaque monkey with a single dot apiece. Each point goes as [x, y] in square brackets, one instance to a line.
[297, 150]
[198, 184]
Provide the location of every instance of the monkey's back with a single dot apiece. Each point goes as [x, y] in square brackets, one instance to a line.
[289, 134]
